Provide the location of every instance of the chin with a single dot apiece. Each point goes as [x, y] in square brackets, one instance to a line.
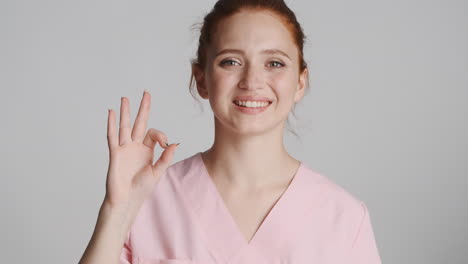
[255, 129]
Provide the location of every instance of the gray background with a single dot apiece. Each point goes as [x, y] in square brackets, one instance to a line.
[386, 116]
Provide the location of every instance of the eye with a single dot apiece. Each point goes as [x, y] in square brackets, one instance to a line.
[227, 62]
[277, 63]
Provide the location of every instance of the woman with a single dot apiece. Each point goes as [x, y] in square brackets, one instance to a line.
[244, 200]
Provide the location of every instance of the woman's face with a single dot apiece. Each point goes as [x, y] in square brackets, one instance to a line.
[252, 54]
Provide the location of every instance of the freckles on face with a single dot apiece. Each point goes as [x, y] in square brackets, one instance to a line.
[277, 84]
[252, 53]
[254, 40]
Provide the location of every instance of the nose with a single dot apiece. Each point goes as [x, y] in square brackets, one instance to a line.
[251, 78]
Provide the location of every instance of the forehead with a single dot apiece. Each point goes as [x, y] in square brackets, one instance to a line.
[253, 30]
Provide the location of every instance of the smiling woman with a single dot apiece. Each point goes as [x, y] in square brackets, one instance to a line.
[249, 52]
[245, 199]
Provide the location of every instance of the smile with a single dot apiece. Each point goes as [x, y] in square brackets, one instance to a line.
[251, 107]
[251, 104]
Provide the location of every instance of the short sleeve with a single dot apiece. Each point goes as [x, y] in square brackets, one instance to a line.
[126, 253]
[364, 248]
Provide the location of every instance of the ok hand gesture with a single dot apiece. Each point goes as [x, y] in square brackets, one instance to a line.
[131, 174]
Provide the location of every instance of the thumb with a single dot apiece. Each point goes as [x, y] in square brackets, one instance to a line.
[164, 160]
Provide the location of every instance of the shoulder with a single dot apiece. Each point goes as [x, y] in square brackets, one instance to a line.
[334, 198]
[336, 209]
[183, 167]
[182, 174]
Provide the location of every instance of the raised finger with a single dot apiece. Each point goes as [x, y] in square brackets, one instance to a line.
[139, 127]
[112, 140]
[124, 126]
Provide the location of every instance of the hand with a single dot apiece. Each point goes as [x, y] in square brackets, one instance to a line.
[131, 174]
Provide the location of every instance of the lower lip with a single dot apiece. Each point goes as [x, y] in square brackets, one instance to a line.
[251, 110]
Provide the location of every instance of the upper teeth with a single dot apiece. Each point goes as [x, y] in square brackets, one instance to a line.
[251, 103]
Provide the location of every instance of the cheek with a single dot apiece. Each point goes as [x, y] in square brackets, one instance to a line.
[220, 85]
[220, 80]
[223, 77]
[279, 78]
[284, 84]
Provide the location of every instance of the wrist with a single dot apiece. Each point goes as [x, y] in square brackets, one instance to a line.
[116, 218]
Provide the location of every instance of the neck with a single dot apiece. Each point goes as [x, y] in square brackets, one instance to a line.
[249, 162]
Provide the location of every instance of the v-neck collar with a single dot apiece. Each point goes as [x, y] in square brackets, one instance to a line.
[222, 233]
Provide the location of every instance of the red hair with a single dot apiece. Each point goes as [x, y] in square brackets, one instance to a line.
[225, 8]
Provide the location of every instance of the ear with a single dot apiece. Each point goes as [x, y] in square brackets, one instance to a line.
[303, 77]
[200, 80]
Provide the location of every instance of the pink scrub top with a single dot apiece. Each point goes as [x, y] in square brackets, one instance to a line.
[185, 220]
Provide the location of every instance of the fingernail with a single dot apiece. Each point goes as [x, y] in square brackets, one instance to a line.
[177, 144]
[167, 145]
[146, 90]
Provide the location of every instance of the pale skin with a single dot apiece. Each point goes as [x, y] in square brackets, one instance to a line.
[251, 142]
[248, 161]
[130, 178]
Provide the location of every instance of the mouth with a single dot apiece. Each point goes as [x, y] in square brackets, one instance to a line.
[252, 104]
[251, 108]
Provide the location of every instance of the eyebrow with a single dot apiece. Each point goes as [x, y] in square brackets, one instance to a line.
[265, 51]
